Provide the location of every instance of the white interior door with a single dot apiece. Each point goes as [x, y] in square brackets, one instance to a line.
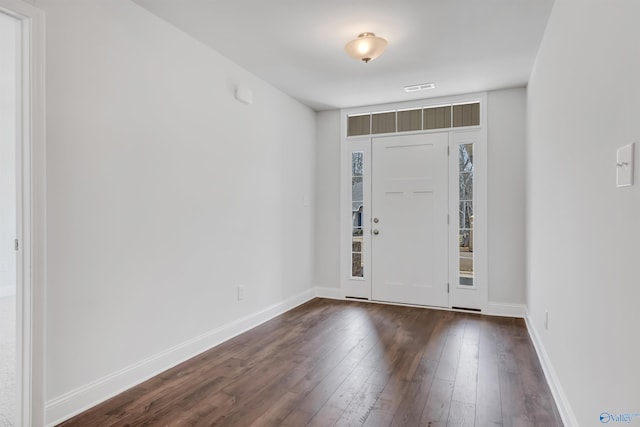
[409, 214]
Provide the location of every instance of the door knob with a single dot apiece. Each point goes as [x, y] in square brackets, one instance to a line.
[376, 232]
[376, 220]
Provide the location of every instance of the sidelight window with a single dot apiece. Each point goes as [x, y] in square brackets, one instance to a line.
[357, 206]
[465, 231]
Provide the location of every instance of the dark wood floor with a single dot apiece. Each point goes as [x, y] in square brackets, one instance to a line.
[350, 364]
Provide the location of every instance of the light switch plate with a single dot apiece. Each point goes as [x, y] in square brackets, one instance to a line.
[624, 165]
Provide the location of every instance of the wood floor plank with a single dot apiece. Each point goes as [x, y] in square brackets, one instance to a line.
[409, 411]
[323, 383]
[514, 406]
[309, 405]
[438, 338]
[402, 362]
[448, 363]
[461, 415]
[361, 405]
[275, 414]
[412, 403]
[512, 397]
[488, 405]
[349, 363]
[338, 402]
[436, 410]
[466, 380]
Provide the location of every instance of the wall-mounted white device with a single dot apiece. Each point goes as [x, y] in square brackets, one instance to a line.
[244, 95]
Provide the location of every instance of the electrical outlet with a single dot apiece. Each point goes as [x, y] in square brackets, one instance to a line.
[546, 320]
[240, 293]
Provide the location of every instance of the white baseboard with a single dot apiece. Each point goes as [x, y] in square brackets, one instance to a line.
[493, 308]
[504, 309]
[566, 413]
[327, 292]
[76, 401]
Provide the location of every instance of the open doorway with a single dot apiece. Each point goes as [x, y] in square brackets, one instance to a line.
[21, 153]
[9, 39]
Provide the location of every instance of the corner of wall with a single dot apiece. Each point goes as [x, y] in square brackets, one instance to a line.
[328, 292]
[327, 200]
[505, 309]
[506, 180]
[568, 417]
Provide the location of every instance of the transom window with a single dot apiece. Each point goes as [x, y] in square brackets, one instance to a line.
[423, 118]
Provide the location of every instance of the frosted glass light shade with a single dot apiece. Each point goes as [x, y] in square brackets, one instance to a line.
[366, 47]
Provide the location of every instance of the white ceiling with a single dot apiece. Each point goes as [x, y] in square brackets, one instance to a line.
[462, 46]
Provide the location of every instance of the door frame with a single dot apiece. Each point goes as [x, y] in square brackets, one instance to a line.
[459, 296]
[30, 215]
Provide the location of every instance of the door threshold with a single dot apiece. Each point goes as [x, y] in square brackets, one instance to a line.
[475, 310]
[402, 304]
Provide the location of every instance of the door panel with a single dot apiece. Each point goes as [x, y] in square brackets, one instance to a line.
[410, 204]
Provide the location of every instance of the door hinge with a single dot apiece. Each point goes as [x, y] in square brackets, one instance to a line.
[16, 246]
[447, 288]
[447, 219]
[448, 148]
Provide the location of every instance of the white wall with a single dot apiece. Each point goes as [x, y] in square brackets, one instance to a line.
[582, 231]
[8, 28]
[506, 139]
[164, 192]
[327, 211]
[506, 134]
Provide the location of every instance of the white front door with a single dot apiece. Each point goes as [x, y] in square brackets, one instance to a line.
[409, 214]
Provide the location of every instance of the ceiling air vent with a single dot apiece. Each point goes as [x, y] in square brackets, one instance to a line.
[423, 86]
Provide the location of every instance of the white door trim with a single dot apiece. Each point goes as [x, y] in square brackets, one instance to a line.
[30, 218]
[458, 297]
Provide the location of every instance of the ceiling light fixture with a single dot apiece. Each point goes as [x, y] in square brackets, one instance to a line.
[366, 47]
[423, 86]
